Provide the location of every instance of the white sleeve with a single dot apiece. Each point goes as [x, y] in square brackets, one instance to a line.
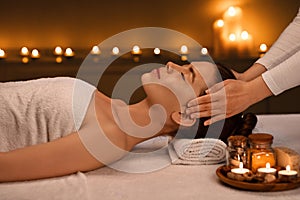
[284, 76]
[286, 45]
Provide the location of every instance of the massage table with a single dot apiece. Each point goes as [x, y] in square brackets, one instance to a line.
[171, 182]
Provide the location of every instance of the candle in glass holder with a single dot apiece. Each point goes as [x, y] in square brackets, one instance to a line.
[287, 174]
[260, 152]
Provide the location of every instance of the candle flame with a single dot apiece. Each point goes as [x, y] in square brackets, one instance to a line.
[220, 23]
[245, 35]
[136, 49]
[156, 51]
[2, 53]
[58, 51]
[183, 49]
[232, 37]
[231, 11]
[268, 166]
[115, 51]
[288, 168]
[263, 47]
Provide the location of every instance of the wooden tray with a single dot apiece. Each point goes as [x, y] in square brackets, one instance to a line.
[262, 187]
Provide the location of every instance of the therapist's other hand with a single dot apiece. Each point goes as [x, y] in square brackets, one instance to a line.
[222, 100]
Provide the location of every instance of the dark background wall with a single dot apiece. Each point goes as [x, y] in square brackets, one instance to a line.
[84, 23]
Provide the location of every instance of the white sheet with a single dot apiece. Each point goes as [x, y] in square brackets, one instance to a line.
[172, 182]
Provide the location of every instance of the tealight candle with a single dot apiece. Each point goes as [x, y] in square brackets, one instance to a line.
[35, 54]
[136, 50]
[2, 54]
[183, 49]
[267, 169]
[240, 170]
[69, 53]
[287, 174]
[115, 51]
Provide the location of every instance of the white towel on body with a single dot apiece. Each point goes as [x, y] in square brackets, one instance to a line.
[203, 151]
[41, 110]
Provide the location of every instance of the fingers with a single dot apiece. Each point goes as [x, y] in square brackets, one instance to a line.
[215, 88]
[200, 100]
[214, 119]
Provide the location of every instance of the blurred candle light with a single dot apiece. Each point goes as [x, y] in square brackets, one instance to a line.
[69, 53]
[232, 30]
[204, 51]
[245, 35]
[232, 37]
[58, 51]
[25, 60]
[95, 50]
[245, 45]
[220, 23]
[156, 51]
[262, 49]
[58, 59]
[115, 51]
[24, 51]
[35, 54]
[218, 38]
[183, 49]
[2, 54]
[136, 50]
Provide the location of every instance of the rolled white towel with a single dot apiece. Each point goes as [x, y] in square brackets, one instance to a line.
[203, 151]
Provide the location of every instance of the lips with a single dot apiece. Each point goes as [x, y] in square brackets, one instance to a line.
[156, 72]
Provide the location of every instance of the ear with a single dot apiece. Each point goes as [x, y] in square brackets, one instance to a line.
[182, 119]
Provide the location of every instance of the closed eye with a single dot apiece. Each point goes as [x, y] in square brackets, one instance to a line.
[193, 74]
[182, 76]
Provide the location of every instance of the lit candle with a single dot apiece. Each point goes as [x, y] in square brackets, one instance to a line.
[218, 40]
[204, 51]
[287, 174]
[262, 49]
[240, 170]
[95, 50]
[115, 51]
[183, 49]
[35, 54]
[156, 51]
[267, 169]
[58, 51]
[232, 29]
[24, 51]
[245, 44]
[58, 59]
[69, 53]
[2, 54]
[25, 60]
[136, 50]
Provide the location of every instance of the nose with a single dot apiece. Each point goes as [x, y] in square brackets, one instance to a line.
[172, 66]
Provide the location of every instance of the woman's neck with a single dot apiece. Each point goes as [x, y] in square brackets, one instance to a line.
[141, 121]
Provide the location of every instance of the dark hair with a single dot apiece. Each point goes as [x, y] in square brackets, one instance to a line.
[240, 124]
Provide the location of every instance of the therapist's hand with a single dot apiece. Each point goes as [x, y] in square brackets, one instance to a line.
[227, 98]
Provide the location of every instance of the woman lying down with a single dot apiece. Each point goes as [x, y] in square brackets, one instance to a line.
[58, 126]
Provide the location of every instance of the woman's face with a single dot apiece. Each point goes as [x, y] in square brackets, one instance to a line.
[173, 86]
